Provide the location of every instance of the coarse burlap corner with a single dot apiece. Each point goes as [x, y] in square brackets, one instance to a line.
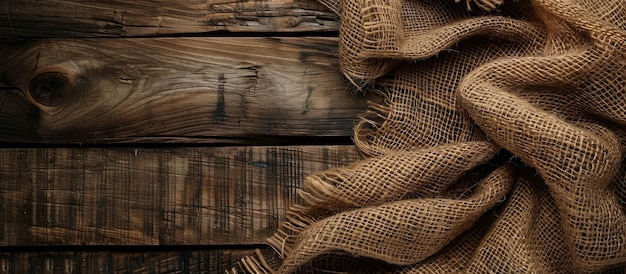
[499, 147]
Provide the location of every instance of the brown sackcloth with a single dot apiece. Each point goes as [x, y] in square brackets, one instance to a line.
[499, 149]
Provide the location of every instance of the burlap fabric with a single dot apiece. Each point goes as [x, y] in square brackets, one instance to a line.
[499, 148]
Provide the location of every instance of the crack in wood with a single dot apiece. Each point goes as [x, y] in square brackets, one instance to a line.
[220, 107]
[306, 107]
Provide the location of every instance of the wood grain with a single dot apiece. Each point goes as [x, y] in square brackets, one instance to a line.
[131, 18]
[141, 196]
[173, 90]
[139, 260]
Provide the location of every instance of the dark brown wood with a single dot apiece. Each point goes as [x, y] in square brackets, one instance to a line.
[173, 90]
[119, 261]
[141, 196]
[126, 18]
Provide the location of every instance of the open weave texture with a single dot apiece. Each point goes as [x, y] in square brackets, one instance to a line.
[499, 147]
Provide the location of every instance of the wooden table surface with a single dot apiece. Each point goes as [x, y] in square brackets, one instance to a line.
[144, 137]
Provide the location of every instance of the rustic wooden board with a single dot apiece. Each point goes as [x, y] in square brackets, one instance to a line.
[126, 18]
[119, 261]
[173, 90]
[141, 196]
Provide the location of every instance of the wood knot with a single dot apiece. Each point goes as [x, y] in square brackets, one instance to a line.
[48, 88]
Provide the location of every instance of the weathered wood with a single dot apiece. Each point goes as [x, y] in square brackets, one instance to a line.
[141, 196]
[173, 89]
[126, 18]
[119, 261]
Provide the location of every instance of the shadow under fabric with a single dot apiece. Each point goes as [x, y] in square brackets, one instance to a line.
[499, 148]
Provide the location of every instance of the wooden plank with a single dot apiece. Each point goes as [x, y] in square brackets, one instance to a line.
[120, 261]
[143, 196]
[130, 18]
[173, 89]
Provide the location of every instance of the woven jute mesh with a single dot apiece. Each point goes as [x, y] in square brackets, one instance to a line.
[499, 147]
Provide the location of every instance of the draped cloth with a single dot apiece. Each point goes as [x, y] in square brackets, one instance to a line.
[499, 146]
